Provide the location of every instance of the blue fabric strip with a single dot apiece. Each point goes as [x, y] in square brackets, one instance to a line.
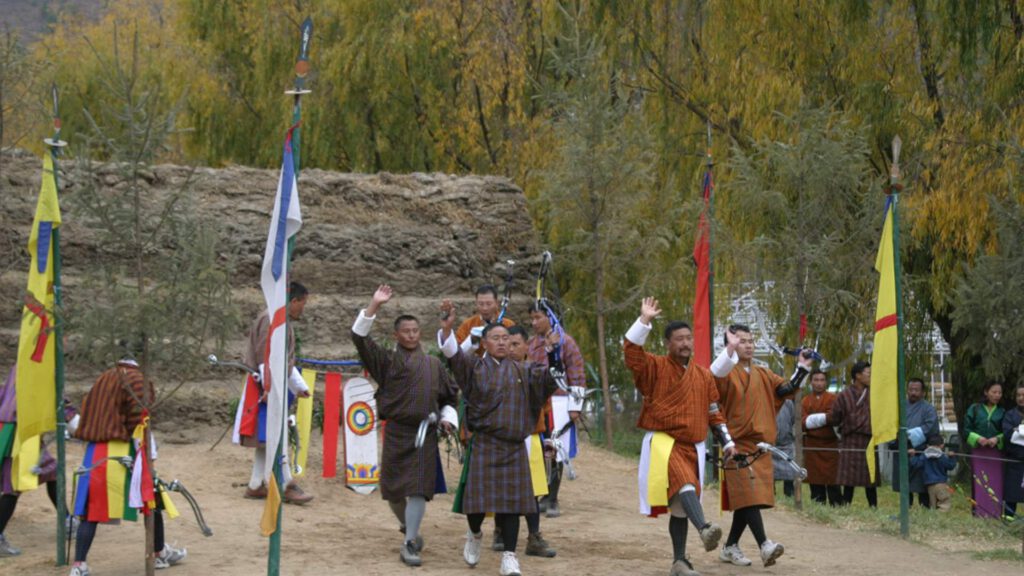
[43, 245]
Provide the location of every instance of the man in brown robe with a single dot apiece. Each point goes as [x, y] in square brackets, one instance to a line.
[411, 385]
[820, 442]
[751, 397]
[681, 400]
[851, 413]
[503, 400]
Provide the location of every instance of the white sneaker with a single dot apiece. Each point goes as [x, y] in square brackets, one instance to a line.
[734, 555]
[471, 552]
[6, 549]
[80, 570]
[159, 563]
[770, 551]
[172, 555]
[509, 564]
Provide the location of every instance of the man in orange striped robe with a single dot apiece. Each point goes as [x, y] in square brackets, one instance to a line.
[680, 399]
[751, 397]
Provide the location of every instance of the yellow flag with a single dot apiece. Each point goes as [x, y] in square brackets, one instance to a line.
[304, 420]
[885, 357]
[35, 379]
[268, 522]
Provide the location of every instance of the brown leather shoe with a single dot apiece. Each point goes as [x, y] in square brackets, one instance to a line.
[294, 495]
[257, 494]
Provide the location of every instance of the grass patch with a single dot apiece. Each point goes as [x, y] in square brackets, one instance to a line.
[1004, 554]
[626, 437]
[956, 530]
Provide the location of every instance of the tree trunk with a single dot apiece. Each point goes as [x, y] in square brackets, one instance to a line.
[798, 445]
[602, 352]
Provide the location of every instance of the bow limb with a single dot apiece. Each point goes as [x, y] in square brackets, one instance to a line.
[177, 486]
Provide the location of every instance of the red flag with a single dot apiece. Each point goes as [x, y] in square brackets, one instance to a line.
[332, 419]
[702, 298]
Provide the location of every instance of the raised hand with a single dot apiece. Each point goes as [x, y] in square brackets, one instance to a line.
[380, 297]
[806, 358]
[732, 341]
[649, 309]
[447, 316]
[383, 294]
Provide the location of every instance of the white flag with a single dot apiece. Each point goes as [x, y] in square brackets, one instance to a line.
[285, 223]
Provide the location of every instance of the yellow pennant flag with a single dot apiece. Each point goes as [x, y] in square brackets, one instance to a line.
[36, 376]
[885, 357]
[268, 522]
[304, 420]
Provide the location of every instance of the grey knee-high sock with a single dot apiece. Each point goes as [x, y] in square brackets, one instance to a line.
[259, 465]
[677, 528]
[691, 505]
[415, 508]
[398, 509]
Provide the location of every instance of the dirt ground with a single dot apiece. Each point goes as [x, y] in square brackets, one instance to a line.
[341, 532]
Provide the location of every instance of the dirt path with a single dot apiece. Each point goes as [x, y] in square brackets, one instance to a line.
[599, 533]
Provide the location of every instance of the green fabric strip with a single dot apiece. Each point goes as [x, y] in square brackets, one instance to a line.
[7, 430]
[457, 505]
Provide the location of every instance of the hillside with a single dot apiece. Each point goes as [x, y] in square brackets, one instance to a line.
[428, 235]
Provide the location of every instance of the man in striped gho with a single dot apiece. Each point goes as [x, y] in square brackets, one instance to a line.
[111, 410]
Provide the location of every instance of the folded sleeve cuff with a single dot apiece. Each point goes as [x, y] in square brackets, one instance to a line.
[296, 383]
[449, 415]
[468, 346]
[363, 324]
[815, 421]
[724, 363]
[448, 347]
[637, 333]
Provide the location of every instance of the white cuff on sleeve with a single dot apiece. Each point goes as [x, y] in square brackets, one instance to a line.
[724, 363]
[363, 324]
[73, 424]
[449, 347]
[576, 395]
[296, 383]
[637, 333]
[468, 346]
[450, 415]
[815, 421]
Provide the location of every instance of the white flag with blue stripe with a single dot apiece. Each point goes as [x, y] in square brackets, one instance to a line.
[285, 223]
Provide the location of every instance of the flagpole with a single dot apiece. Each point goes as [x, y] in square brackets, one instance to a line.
[54, 145]
[711, 252]
[711, 286]
[904, 472]
[301, 69]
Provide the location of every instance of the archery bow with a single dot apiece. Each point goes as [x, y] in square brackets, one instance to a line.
[556, 368]
[174, 486]
[506, 297]
[742, 460]
[556, 442]
[450, 445]
[294, 439]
